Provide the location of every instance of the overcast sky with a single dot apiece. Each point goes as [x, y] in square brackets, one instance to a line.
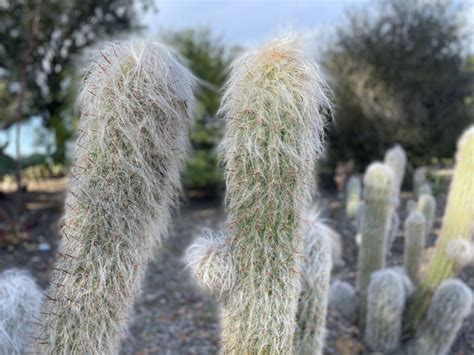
[250, 22]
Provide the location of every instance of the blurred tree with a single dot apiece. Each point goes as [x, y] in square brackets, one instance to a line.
[209, 59]
[38, 41]
[399, 76]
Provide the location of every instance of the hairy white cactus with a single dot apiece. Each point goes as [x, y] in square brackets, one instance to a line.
[20, 304]
[461, 252]
[343, 300]
[315, 277]
[451, 303]
[427, 205]
[419, 179]
[136, 103]
[396, 159]
[275, 107]
[207, 259]
[415, 237]
[378, 192]
[387, 295]
[353, 196]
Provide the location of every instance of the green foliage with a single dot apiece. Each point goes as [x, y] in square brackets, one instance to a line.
[209, 59]
[202, 170]
[400, 76]
[7, 165]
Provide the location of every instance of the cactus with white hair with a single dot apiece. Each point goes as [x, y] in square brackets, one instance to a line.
[419, 179]
[386, 295]
[343, 300]
[353, 196]
[20, 304]
[275, 106]
[458, 223]
[136, 103]
[451, 304]
[461, 252]
[427, 205]
[415, 237]
[315, 277]
[396, 159]
[378, 191]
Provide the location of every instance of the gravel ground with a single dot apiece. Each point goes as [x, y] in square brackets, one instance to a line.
[172, 316]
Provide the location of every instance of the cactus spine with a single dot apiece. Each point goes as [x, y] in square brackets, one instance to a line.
[315, 277]
[415, 237]
[396, 159]
[387, 294]
[274, 106]
[451, 303]
[458, 223]
[135, 105]
[378, 189]
[343, 300]
[353, 195]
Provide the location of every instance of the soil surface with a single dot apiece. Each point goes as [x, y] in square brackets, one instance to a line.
[172, 316]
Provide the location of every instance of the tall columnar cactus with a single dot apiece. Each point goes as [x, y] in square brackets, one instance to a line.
[135, 105]
[353, 196]
[378, 189]
[427, 205]
[315, 277]
[452, 302]
[387, 295]
[396, 159]
[274, 106]
[458, 223]
[415, 237]
[419, 179]
[20, 305]
[343, 300]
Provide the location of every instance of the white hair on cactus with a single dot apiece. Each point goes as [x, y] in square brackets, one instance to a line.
[460, 251]
[20, 303]
[276, 107]
[208, 260]
[343, 300]
[136, 106]
[315, 278]
[314, 224]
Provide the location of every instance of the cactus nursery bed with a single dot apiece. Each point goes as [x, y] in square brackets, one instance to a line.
[172, 316]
